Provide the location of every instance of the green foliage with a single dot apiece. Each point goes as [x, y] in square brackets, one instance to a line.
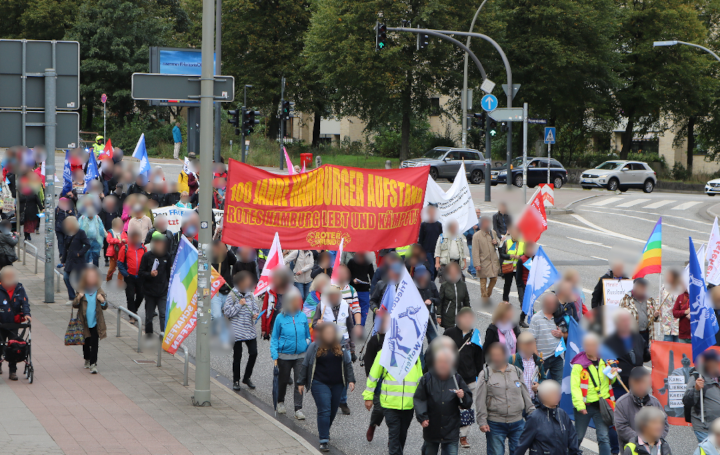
[36, 19]
[680, 173]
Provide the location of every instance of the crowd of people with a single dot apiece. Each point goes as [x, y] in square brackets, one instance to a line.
[315, 327]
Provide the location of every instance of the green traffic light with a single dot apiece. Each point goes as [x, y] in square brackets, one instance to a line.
[493, 132]
[381, 45]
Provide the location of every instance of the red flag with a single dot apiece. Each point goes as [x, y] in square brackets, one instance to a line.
[334, 278]
[275, 258]
[108, 150]
[533, 221]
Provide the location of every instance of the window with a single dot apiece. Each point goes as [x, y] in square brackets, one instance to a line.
[453, 156]
[470, 156]
[555, 164]
[434, 107]
[627, 167]
[638, 167]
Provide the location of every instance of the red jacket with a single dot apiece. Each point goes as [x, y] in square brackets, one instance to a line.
[267, 313]
[129, 259]
[114, 244]
[681, 305]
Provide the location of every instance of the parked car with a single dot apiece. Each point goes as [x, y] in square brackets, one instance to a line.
[445, 162]
[537, 173]
[712, 187]
[620, 175]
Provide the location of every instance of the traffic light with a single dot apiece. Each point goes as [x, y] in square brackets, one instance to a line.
[504, 127]
[235, 120]
[492, 126]
[422, 41]
[479, 121]
[287, 110]
[249, 120]
[380, 36]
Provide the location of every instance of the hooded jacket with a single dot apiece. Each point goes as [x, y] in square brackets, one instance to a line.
[625, 409]
[548, 431]
[290, 336]
[435, 401]
[453, 296]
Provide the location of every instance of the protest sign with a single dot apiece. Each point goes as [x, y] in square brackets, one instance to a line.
[670, 373]
[370, 209]
[455, 204]
[613, 293]
[174, 216]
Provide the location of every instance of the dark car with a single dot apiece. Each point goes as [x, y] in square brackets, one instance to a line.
[445, 162]
[537, 173]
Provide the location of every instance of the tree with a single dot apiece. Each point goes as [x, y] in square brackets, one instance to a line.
[340, 47]
[36, 19]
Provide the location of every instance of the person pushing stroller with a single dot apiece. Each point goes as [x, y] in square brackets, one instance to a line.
[14, 309]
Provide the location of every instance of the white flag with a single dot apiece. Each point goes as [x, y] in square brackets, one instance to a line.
[713, 256]
[455, 204]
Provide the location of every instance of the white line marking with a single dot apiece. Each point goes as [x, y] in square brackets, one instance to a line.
[686, 205]
[649, 221]
[601, 229]
[598, 257]
[591, 445]
[656, 205]
[633, 202]
[606, 201]
[684, 218]
[588, 242]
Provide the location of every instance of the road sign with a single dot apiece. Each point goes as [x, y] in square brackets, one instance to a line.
[37, 56]
[489, 102]
[538, 121]
[178, 87]
[507, 114]
[66, 131]
[516, 87]
[487, 86]
[103, 98]
[550, 135]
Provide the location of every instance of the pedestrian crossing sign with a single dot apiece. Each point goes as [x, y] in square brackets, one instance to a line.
[550, 135]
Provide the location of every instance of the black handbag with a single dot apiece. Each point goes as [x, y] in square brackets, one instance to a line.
[606, 411]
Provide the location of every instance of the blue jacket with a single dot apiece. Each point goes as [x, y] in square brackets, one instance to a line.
[19, 305]
[290, 335]
[548, 431]
[177, 134]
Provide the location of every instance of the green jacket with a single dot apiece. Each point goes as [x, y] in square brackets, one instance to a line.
[393, 394]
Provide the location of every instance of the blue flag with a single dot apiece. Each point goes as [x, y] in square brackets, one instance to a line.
[607, 354]
[476, 338]
[561, 347]
[572, 348]
[703, 323]
[92, 172]
[543, 274]
[141, 154]
[386, 304]
[67, 175]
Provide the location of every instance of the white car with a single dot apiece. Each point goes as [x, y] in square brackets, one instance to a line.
[620, 175]
[712, 187]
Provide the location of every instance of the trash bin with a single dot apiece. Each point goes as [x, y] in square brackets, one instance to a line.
[306, 160]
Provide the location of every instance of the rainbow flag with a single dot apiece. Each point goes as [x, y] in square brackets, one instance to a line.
[651, 261]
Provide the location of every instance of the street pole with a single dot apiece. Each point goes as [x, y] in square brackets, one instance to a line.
[548, 172]
[50, 121]
[104, 126]
[218, 46]
[282, 124]
[243, 156]
[525, 127]
[465, 81]
[488, 157]
[201, 396]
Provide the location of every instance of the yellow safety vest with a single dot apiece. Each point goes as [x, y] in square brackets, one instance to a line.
[404, 251]
[393, 394]
[511, 247]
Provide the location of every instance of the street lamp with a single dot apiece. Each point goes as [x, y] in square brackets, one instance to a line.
[673, 43]
[463, 98]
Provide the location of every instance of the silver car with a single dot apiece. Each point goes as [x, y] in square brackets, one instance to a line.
[445, 162]
[620, 175]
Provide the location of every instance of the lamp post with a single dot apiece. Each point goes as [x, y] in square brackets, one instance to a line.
[465, 80]
[673, 43]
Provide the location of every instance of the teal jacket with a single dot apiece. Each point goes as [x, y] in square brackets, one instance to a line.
[290, 336]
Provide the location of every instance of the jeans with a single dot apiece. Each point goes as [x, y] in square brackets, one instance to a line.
[285, 367]
[90, 348]
[431, 260]
[673, 338]
[364, 301]
[471, 270]
[701, 436]
[398, 422]
[431, 448]
[499, 432]
[61, 242]
[304, 289]
[554, 368]
[327, 400]
[133, 293]
[150, 304]
[68, 285]
[93, 254]
[343, 395]
[601, 430]
[237, 358]
[219, 324]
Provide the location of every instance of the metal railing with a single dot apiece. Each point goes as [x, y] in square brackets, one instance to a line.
[60, 278]
[158, 362]
[160, 336]
[122, 309]
[26, 244]
[187, 363]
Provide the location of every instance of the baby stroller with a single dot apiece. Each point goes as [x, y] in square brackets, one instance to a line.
[17, 349]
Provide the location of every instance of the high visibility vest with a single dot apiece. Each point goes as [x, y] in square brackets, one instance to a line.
[261, 254]
[404, 251]
[98, 149]
[516, 248]
[633, 448]
[393, 394]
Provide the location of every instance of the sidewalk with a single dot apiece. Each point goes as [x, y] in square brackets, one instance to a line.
[128, 408]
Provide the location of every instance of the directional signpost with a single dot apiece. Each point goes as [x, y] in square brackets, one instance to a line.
[489, 102]
[179, 87]
[507, 114]
[549, 139]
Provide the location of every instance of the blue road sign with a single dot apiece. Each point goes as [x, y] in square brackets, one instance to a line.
[489, 103]
[550, 135]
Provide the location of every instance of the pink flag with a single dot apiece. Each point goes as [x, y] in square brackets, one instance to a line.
[336, 266]
[291, 170]
[303, 169]
[275, 258]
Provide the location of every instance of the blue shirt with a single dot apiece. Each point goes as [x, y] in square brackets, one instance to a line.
[91, 313]
[628, 341]
[177, 134]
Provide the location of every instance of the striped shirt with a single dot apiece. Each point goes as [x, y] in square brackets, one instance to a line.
[540, 327]
[528, 373]
[349, 294]
[242, 317]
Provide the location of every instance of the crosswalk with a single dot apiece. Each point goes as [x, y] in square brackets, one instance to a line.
[642, 203]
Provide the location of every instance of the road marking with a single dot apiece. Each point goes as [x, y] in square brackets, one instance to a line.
[686, 205]
[684, 218]
[656, 205]
[606, 231]
[649, 221]
[633, 202]
[598, 257]
[606, 201]
[591, 445]
[588, 242]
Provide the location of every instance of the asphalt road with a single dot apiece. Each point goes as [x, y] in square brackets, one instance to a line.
[604, 225]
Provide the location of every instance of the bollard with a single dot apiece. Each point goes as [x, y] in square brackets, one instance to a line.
[59, 279]
[187, 363]
[388, 164]
[139, 324]
[160, 335]
[28, 244]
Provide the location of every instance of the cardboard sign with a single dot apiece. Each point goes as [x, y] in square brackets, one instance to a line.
[8, 205]
[613, 293]
[670, 374]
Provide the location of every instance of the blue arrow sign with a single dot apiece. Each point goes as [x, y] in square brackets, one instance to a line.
[550, 135]
[489, 103]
